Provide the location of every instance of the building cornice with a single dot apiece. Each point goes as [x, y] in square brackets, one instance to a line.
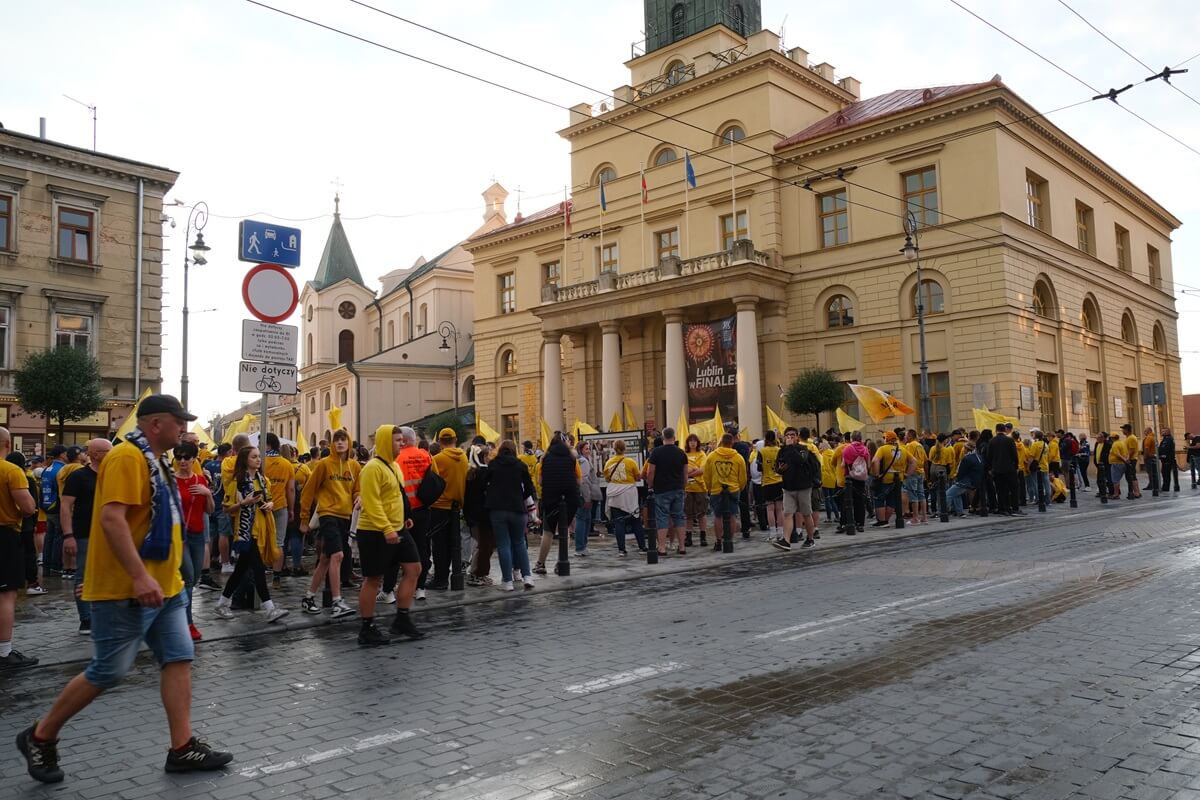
[18, 146]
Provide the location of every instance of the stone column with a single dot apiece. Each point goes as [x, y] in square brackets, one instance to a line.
[749, 376]
[676, 381]
[552, 380]
[610, 372]
[579, 381]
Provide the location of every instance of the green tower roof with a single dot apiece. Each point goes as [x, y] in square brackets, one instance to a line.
[337, 260]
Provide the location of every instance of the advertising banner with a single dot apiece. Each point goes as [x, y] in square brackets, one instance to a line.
[710, 361]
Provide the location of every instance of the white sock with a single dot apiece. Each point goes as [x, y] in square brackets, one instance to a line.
[309, 595]
[268, 605]
[5, 648]
[337, 599]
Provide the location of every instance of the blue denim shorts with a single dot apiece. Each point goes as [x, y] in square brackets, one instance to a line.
[118, 630]
[915, 486]
[726, 503]
[668, 509]
[224, 523]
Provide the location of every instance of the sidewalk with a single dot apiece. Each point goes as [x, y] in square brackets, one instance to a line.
[47, 625]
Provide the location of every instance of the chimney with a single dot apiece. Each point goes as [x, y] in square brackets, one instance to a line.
[42, 127]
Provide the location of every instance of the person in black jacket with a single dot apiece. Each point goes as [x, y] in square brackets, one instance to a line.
[560, 492]
[508, 486]
[475, 513]
[1002, 460]
[968, 479]
[1166, 457]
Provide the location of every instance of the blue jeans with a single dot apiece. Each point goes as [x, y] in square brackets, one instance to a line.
[118, 629]
[84, 609]
[622, 519]
[583, 526]
[668, 509]
[189, 568]
[954, 497]
[509, 529]
[52, 544]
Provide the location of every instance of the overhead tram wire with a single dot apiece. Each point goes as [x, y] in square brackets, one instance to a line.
[377, 215]
[822, 172]
[659, 140]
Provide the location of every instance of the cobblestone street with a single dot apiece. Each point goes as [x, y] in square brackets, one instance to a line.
[1049, 657]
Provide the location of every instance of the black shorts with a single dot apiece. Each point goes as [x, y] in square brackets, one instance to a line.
[12, 560]
[773, 492]
[334, 532]
[377, 556]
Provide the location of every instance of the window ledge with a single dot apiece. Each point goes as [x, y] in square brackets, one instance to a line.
[79, 267]
[8, 257]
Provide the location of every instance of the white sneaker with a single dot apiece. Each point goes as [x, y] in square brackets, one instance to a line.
[506, 586]
[276, 613]
[528, 581]
[227, 569]
[420, 594]
[386, 597]
[341, 609]
[224, 612]
[34, 590]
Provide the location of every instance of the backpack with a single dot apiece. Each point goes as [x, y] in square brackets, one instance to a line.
[810, 469]
[49, 493]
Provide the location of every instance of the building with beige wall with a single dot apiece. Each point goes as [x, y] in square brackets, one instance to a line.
[1047, 275]
[388, 355]
[80, 266]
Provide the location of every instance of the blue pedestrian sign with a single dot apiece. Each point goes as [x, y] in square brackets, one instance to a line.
[264, 243]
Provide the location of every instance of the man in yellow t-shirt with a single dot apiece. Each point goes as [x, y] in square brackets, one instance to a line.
[282, 477]
[772, 483]
[914, 484]
[134, 598]
[1132, 448]
[891, 465]
[16, 503]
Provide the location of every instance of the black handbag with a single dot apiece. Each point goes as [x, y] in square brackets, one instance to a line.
[430, 488]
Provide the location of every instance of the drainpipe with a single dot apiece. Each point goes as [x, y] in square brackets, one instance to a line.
[379, 336]
[137, 314]
[357, 400]
[411, 310]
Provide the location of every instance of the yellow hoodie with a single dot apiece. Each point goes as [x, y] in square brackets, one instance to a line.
[333, 486]
[725, 468]
[382, 495]
[452, 466]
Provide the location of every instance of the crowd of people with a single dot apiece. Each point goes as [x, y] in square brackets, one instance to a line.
[140, 526]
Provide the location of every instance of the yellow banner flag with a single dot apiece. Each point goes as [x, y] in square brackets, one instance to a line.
[775, 422]
[202, 434]
[682, 431]
[880, 405]
[988, 420]
[335, 419]
[301, 442]
[630, 421]
[580, 428]
[130, 422]
[847, 423]
[545, 436]
[488, 433]
[718, 427]
[615, 423]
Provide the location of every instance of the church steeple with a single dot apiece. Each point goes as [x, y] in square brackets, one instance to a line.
[669, 21]
[337, 260]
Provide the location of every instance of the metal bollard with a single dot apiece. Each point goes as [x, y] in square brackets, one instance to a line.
[1074, 475]
[1041, 492]
[457, 582]
[563, 567]
[726, 523]
[652, 542]
[898, 497]
[1103, 476]
[943, 511]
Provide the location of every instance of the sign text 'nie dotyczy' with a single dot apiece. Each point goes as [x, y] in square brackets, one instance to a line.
[266, 378]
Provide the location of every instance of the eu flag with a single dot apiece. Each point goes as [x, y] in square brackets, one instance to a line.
[689, 173]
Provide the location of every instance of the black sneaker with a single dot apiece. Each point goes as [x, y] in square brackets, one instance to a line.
[878, 524]
[17, 660]
[795, 539]
[719, 546]
[437, 586]
[402, 625]
[816, 534]
[858, 528]
[41, 758]
[309, 606]
[196, 756]
[209, 583]
[369, 636]
[703, 540]
[540, 568]
[781, 544]
[850, 531]
[808, 543]
[85, 627]
[687, 539]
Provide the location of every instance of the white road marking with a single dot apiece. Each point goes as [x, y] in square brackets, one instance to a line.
[622, 678]
[369, 743]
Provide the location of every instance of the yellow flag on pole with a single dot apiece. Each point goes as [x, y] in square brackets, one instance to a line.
[847, 423]
[988, 420]
[615, 423]
[775, 422]
[205, 439]
[130, 422]
[718, 427]
[682, 430]
[335, 419]
[545, 436]
[580, 428]
[301, 443]
[486, 431]
[880, 405]
[630, 421]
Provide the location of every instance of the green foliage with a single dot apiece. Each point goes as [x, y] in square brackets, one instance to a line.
[813, 391]
[447, 419]
[61, 385]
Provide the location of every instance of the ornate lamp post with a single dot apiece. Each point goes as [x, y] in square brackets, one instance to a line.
[912, 252]
[447, 331]
[197, 219]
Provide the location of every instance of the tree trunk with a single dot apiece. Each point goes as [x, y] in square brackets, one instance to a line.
[817, 430]
[62, 427]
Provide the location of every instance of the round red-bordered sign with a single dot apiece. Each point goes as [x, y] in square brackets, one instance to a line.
[270, 292]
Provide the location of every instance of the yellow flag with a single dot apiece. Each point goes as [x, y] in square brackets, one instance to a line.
[580, 428]
[545, 437]
[486, 431]
[847, 423]
[335, 419]
[205, 439]
[301, 442]
[630, 422]
[775, 422]
[744, 435]
[681, 428]
[879, 404]
[718, 427]
[130, 422]
[988, 420]
[615, 423]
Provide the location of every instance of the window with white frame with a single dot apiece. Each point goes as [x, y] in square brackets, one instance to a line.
[5, 322]
[73, 330]
[7, 237]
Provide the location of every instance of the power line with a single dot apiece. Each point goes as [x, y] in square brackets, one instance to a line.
[658, 140]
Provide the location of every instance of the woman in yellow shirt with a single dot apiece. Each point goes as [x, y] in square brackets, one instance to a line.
[695, 493]
[253, 534]
[622, 474]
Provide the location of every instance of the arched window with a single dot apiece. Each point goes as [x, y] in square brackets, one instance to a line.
[329, 437]
[508, 362]
[1160, 339]
[423, 327]
[328, 403]
[309, 313]
[732, 133]
[675, 73]
[1043, 301]
[932, 297]
[345, 346]
[1128, 329]
[312, 440]
[406, 327]
[468, 389]
[664, 156]
[1091, 316]
[312, 404]
[391, 333]
[604, 173]
[739, 19]
[839, 311]
[308, 349]
[342, 397]
[678, 22]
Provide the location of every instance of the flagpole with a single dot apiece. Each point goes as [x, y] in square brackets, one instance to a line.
[733, 189]
[687, 212]
[645, 261]
[562, 269]
[600, 266]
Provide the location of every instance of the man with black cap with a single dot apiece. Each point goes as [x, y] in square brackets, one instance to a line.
[135, 591]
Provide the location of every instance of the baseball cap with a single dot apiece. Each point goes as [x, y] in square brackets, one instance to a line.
[73, 452]
[447, 433]
[1126, 426]
[889, 436]
[163, 404]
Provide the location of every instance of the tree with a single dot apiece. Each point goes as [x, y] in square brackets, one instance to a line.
[813, 391]
[447, 419]
[62, 384]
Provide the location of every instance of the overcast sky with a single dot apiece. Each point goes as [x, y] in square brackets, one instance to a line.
[262, 114]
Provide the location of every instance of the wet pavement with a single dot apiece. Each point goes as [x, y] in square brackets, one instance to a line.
[1055, 656]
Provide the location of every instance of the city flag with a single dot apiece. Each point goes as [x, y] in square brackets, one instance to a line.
[486, 431]
[603, 202]
[987, 420]
[630, 422]
[544, 440]
[580, 428]
[847, 423]
[879, 404]
[615, 423]
[681, 427]
[645, 191]
[301, 442]
[688, 173]
[775, 422]
[205, 439]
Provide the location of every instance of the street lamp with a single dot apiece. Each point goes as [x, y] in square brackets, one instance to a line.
[912, 252]
[197, 219]
[447, 331]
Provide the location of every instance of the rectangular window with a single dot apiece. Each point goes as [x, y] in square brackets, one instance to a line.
[1123, 263]
[508, 292]
[1133, 401]
[1047, 398]
[666, 245]
[73, 330]
[608, 257]
[940, 419]
[510, 425]
[1037, 198]
[834, 218]
[729, 234]
[75, 234]
[920, 195]
[4, 334]
[1155, 267]
[1095, 424]
[551, 273]
[1084, 228]
[6, 222]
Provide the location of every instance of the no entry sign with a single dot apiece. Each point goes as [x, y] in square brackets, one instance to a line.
[270, 292]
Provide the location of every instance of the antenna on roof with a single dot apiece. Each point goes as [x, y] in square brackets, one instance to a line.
[783, 34]
[90, 108]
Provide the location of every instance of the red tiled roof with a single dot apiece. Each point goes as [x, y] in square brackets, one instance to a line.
[876, 108]
[555, 210]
